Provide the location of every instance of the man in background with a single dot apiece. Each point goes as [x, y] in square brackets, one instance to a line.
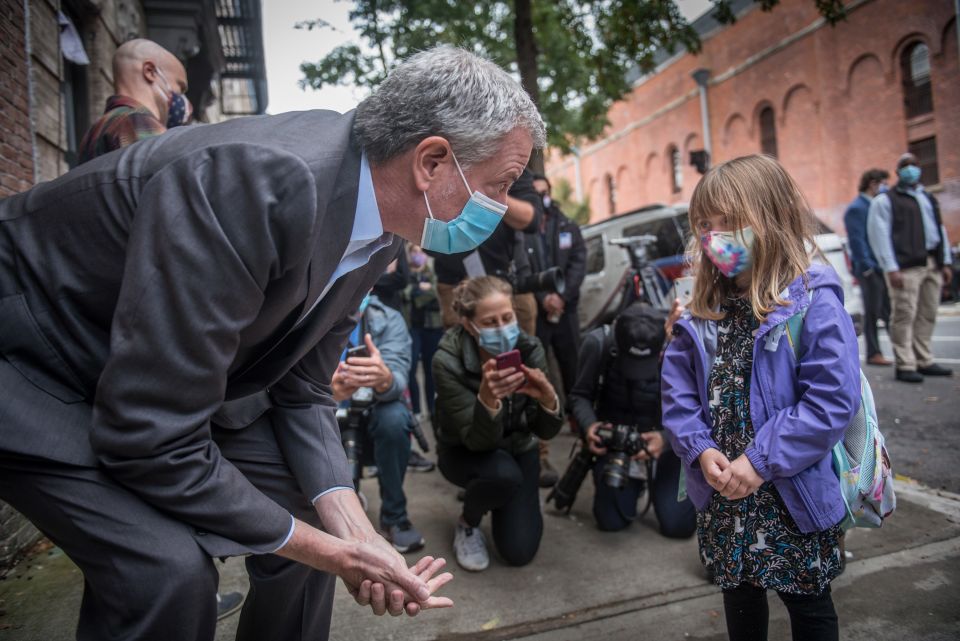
[149, 84]
[866, 269]
[908, 238]
[561, 245]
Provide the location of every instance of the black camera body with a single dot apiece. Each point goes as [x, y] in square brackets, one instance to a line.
[549, 280]
[353, 422]
[622, 442]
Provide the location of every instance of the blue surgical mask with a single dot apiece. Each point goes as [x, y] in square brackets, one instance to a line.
[477, 220]
[497, 340]
[910, 174]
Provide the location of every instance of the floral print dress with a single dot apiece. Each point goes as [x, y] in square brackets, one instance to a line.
[754, 540]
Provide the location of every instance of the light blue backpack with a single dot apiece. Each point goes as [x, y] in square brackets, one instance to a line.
[860, 458]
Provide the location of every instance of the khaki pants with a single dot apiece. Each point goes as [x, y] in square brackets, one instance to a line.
[914, 314]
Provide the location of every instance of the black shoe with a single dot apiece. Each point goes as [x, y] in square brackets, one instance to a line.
[909, 376]
[228, 603]
[935, 370]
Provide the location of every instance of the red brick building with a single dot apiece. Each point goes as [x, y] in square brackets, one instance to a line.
[829, 102]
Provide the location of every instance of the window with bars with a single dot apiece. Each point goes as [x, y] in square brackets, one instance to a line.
[915, 70]
[768, 132]
[926, 152]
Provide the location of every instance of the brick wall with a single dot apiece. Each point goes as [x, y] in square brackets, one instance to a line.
[835, 91]
[16, 174]
[16, 151]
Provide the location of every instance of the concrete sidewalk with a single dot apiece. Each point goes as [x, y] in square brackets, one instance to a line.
[903, 581]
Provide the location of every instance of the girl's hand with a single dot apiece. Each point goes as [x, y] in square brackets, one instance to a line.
[498, 383]
[716, 468]
[744, 479]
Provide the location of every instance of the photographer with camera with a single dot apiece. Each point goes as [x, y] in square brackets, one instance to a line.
[617, 399]
[493, 403]
[373, 375]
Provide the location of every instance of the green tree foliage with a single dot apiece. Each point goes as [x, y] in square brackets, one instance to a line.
[568, 204]
[572, 56]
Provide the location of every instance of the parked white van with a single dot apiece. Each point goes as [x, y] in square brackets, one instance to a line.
[608, 264]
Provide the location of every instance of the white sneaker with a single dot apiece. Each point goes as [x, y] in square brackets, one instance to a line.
[471, 548]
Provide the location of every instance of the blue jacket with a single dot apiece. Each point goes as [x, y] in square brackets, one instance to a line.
[855, 220]
[388, 330]
[798, 413]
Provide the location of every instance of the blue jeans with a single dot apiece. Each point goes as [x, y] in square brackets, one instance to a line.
[390, 431]
[615, 509]
[424, 346]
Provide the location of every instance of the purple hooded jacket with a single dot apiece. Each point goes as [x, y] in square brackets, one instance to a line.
[798, 413]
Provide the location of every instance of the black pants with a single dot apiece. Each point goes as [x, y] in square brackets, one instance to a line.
[876, 306]
[146, 578]
[564, 337]
[812, 617]
[505, 485]
[614, 509]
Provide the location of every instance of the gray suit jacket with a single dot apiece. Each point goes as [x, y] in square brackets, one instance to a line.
[146, 288]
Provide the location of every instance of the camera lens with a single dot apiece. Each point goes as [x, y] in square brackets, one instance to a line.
[617, 470]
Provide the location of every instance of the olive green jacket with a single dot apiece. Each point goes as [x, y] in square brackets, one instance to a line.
[460, 419]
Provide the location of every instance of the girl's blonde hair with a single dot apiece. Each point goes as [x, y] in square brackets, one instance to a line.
[470, 292]
[753, 191]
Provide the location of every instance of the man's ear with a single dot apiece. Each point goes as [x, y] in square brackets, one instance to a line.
[149, 70]
[428, 159]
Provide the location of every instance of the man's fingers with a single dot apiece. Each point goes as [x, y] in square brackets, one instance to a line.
[421, 565]
[427, 573]
[435, 602]
[414, 586]
[363, 593]
[395, 608]
[378, 599]
[436, 583]
[413, 609]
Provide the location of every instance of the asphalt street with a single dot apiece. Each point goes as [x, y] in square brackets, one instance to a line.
[921, 422]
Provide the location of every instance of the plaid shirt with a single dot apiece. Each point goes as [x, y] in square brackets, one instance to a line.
[124, 122]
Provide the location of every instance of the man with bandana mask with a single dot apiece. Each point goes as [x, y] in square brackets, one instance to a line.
[908, 238]
[149, 84]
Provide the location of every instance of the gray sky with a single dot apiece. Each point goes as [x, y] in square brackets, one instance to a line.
[286, 47]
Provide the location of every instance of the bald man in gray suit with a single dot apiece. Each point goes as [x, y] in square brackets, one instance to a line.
[170, 316]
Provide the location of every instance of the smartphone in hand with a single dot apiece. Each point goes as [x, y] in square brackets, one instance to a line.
[683, 289]
[360, 351]
[510, 359]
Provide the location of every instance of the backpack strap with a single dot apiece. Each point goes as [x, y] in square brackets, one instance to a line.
[795, 327]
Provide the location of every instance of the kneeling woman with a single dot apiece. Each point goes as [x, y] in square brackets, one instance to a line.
[487, 422]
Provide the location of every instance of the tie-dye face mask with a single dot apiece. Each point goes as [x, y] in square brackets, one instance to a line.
[730, 251]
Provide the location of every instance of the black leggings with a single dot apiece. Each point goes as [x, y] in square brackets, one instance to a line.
[505, 485]
[812, 616]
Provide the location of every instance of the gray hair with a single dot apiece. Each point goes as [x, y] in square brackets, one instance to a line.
[448, 92]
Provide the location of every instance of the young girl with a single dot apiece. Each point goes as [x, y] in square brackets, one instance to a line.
[752, 422]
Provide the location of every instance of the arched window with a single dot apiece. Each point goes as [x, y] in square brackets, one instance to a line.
[768, 132]
[677, 169]
[611, 194]
[915, 70]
